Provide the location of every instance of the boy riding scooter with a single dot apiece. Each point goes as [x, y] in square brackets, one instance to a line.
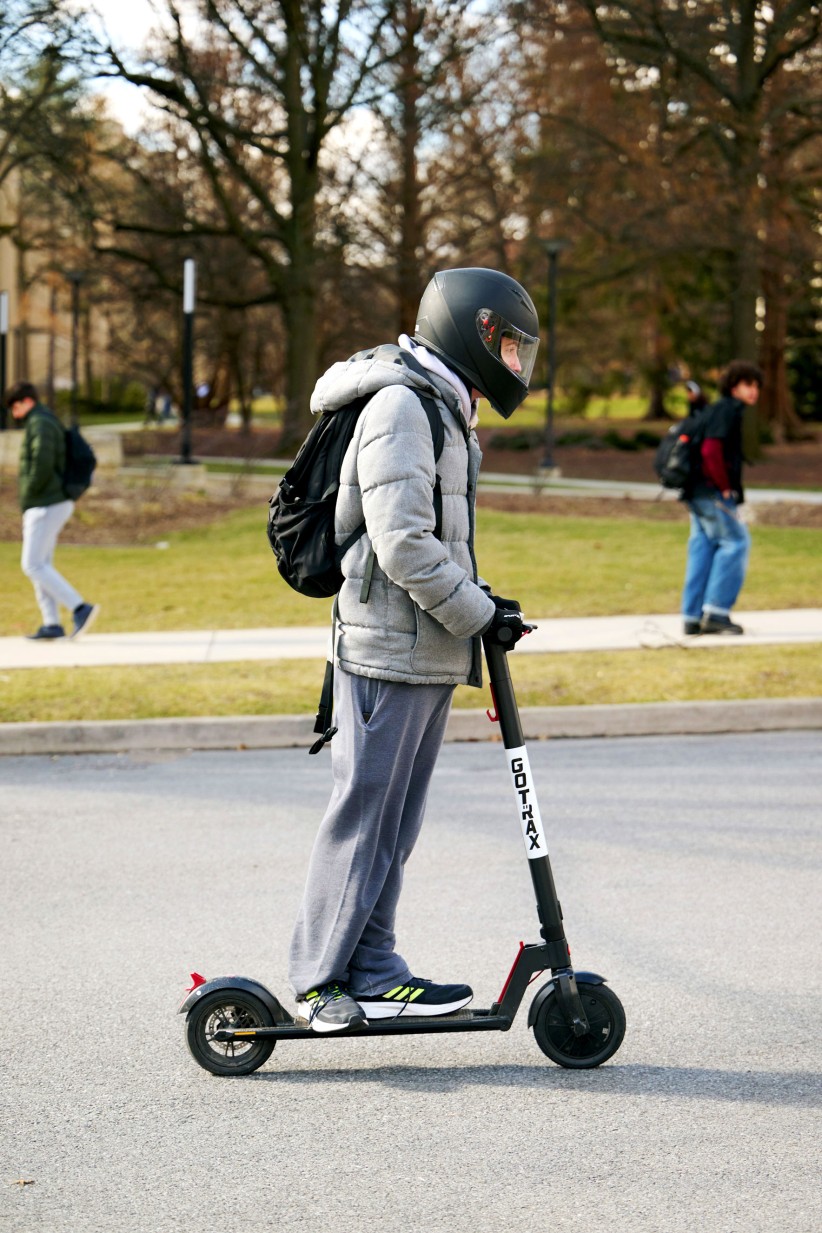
[399, 654]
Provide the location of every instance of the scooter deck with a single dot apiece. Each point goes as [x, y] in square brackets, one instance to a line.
[298, 1029]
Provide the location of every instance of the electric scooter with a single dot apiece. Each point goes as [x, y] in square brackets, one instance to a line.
[233, 1022]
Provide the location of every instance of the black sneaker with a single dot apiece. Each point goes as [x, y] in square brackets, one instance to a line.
[84, 616]
[332, 1009]
[715, 624]
[689, 628]
[416, 997]
[47, 633]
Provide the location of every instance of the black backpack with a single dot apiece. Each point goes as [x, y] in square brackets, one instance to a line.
[301, 512]
[677, 459]
[80, 463]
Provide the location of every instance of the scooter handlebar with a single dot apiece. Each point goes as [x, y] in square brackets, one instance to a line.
[528, 627]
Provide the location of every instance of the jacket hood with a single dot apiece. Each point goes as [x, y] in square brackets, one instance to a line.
[369, 371]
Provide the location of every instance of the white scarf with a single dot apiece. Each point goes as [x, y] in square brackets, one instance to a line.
[434, 364]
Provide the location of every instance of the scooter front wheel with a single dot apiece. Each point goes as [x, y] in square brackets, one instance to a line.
[606, 1020]
[228, 1008]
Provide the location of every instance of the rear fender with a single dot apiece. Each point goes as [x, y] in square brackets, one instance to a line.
[590, 978]
[244, 983]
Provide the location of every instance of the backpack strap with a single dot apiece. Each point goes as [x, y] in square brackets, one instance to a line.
[438, 437]
[325, 709]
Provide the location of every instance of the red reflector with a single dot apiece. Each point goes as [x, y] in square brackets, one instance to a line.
[197, 981]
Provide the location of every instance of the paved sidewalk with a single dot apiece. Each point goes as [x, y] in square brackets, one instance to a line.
[653, 631]
[637, 490]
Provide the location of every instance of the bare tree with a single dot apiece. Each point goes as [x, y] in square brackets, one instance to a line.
[259, 87]
[743, 73]
[44, 128]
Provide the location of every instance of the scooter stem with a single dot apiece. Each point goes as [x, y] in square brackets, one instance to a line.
[548, 907]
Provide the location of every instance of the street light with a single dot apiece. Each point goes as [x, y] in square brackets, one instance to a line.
[553, 248]
[189, 305]
[75, 277]
[4, 334]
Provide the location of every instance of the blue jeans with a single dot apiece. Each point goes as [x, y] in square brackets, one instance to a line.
[718, 550]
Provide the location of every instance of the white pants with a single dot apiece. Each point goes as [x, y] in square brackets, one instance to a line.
[41, 526]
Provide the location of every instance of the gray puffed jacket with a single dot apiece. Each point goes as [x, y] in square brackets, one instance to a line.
[426, 606]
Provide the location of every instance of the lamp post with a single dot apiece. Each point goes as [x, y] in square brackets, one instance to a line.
[189, 299]
[4, 334]
[553, 248]
[75, 277]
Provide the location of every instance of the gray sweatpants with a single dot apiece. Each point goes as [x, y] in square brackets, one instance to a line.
[382, 767]
[41, 526]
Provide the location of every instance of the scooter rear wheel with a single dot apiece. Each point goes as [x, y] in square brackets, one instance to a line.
[607, 1028]
[228, 1008]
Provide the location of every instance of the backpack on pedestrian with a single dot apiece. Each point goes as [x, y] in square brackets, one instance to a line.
[80, 463]
[677, 460]
[301, 512]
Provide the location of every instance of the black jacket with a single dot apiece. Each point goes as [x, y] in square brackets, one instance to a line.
[723, 422]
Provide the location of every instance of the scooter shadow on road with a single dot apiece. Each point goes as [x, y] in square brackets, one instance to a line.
[800, 1089]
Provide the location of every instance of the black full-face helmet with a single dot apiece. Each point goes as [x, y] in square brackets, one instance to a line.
[484, 326]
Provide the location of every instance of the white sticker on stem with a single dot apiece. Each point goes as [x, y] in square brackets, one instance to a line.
[527, 804]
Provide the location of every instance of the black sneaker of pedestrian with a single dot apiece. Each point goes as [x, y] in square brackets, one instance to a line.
[690, 628]
[416, 997]
[47, 633]
[332, 1009]
[715, 624]
[84, 616]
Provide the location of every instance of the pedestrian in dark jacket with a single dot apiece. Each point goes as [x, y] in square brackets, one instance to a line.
[719, 542]
[399, 654]
[46, 509]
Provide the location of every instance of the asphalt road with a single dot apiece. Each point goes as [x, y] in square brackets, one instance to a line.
[689, 873]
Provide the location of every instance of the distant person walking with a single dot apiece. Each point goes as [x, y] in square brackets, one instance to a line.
[46, 510]
[150, 414]
[695, 396]
[719, 542]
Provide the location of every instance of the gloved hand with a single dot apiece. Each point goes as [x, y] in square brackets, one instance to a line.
[506, 628]
[507, 605]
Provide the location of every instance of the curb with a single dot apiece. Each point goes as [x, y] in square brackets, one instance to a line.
[295, 731]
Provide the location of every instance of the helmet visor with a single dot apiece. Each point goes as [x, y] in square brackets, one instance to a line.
[513, 348]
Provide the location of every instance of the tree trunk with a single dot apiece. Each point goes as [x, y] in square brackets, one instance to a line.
[236, 371]
[656, 403]
[746, 287]
[409, 288]
[777, 403]
[91, 401]
[745, 268]
[22, 358]
[52, 345]
[300, 368]
[299, 279]
[658, 355]
[745, 167]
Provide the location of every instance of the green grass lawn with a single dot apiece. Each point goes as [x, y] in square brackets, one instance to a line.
[292, 687]
[532, 413]
[223, 576]
[268, 411]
